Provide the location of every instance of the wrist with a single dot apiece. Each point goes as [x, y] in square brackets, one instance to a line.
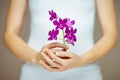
[86, 59]
[35, 57]
[81, 61]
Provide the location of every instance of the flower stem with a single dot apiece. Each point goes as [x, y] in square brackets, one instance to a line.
[63, 36]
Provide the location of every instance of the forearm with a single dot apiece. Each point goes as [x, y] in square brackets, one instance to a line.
[18, 47]
[101, 48]
[108, 21]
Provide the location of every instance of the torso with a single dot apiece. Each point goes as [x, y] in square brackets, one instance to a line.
[82, 11]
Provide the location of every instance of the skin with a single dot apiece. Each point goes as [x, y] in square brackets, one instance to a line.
[11, 37]
[50, 58]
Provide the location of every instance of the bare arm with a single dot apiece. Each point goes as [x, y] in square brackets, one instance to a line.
[13, 25]
[13, 42]
[107, 17]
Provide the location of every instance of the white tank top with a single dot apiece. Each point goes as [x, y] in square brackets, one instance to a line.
[82, 11]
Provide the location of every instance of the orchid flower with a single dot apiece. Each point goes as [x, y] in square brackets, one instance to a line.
[66, 25]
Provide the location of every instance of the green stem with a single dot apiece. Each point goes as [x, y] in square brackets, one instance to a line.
[63, 36]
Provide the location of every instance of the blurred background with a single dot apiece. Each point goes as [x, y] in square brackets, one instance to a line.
[10, 66]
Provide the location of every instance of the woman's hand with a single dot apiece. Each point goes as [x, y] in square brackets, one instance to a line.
[59, 60]
[38, 57]
[69, 59]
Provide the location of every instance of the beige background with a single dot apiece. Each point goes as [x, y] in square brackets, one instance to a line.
[10, 66]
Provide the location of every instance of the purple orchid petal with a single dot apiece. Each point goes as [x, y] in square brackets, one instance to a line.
[53, 15]
[75, 30]
[66, 30]
[53, 34]
[65, 20]
[70, 35]
[50, 38]
[64, 24]
[55, 22]
[72, 22]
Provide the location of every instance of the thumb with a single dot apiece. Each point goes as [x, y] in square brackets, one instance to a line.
[63, 54]
[57, 44]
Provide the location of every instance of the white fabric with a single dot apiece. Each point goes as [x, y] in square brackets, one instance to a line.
[83, 12]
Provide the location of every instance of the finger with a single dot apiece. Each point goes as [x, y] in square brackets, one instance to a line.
[54, 57]
[64, 54]
[49, 61]
[57, 44]
[55, 50]
[48, 67]
[64, 49]
[43, 51]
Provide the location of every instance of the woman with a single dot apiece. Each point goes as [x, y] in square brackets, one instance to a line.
[42, 60]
